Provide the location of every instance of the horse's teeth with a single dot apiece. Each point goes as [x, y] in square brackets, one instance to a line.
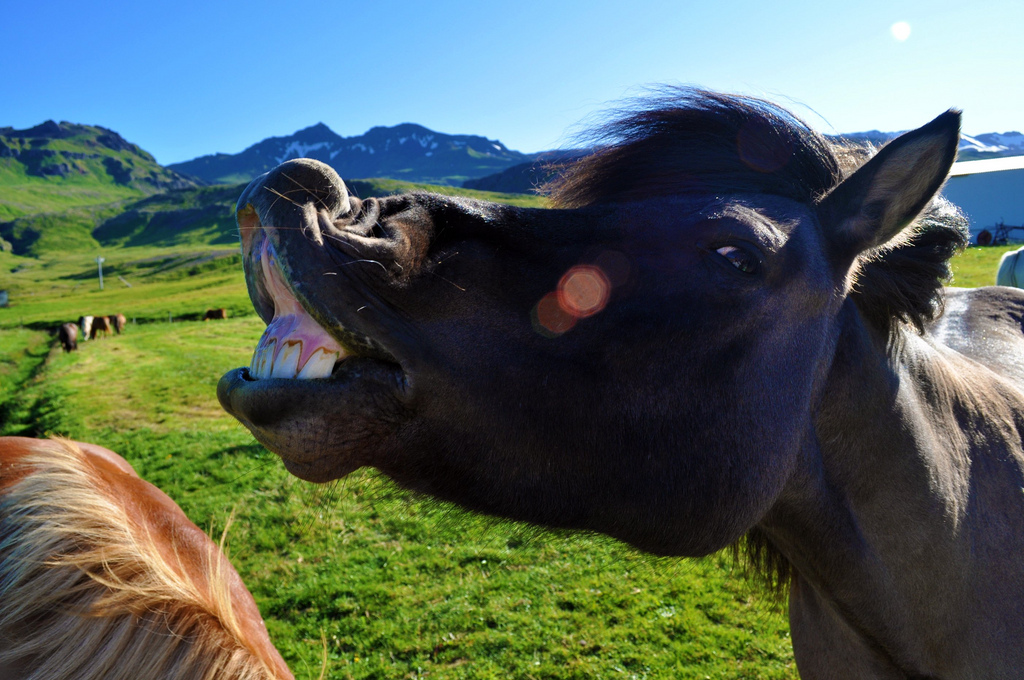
[286, 364]
[319, 365]
[295, 347]
[262, 359]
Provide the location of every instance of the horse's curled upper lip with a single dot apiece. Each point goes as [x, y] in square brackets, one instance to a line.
[301, 339]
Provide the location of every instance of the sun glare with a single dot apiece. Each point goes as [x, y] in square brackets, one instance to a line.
[900, 30]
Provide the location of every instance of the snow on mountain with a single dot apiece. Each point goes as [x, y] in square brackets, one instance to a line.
[994, 143]
[1002, 141]
[297, 149]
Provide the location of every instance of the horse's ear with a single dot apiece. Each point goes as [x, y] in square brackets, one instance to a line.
[884, 195]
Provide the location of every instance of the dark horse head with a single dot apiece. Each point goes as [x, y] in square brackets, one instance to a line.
[645, 360]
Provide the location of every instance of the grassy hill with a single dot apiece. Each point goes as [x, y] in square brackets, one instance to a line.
[56, 166]
[58, 181]
[386, 187]
[194, 216]
[203, 215]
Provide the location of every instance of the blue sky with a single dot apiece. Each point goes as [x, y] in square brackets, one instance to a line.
[192, 78]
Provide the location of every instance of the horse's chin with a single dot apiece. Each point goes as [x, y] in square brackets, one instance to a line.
[318, 472]
[321, 428]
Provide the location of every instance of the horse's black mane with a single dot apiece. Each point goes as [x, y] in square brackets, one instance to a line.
[687, 141]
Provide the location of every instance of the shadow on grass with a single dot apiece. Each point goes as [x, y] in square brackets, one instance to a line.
[26, 412]
[254, 450]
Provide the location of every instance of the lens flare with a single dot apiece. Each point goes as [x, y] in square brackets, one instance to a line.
[584, 291]
[550, 319]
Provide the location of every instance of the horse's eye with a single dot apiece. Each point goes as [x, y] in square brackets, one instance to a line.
[741, 258]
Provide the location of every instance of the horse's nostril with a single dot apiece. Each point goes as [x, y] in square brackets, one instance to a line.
[308, 181]
[286, 194]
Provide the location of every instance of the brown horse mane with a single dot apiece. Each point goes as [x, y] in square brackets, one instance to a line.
[88, 594]
[689, 141]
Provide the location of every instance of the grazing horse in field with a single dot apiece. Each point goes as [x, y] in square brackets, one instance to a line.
[117, 322]
[103, 577]
[220, 313]
[100, 327]
[729, 330]
[68, 336]
[1010, 271]
[85, 322]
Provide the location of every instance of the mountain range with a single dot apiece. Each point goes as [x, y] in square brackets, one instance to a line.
[58, 166]
[414, 153]
[407, 152]
[68, 187]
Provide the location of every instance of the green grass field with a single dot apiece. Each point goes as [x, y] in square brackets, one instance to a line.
[145, 284]
[977, 266]
[396, 587]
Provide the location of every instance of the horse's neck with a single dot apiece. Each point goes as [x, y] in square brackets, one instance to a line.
[918, 427]
[915, 451]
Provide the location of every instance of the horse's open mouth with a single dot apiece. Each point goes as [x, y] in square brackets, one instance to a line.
[324, 388]
[315, 393]
[295, 345]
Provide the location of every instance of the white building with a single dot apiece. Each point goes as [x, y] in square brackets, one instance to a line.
[990, 192]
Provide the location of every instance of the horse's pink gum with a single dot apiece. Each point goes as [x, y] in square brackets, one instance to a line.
[304, 329]
[291, 323]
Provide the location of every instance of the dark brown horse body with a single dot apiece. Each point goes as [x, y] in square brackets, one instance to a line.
[100, 327]
[68, 336]
[211, 314]
[726, 330]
